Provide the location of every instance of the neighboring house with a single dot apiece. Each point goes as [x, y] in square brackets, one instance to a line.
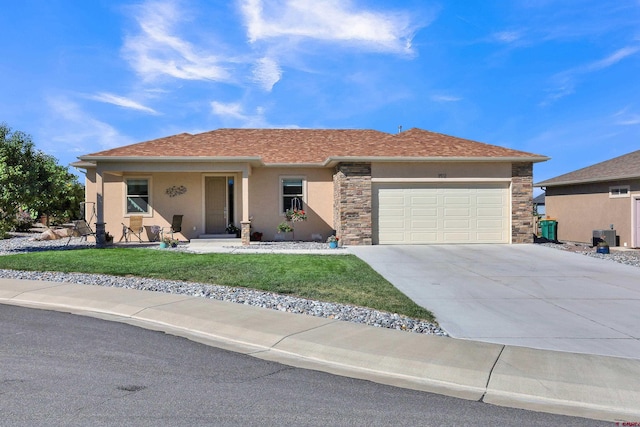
[597, 197]
[368, 187]
[538, 205]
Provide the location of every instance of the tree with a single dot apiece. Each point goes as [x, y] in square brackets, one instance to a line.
[33, 180]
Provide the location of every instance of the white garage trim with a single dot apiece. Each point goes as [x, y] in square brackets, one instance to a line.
[438, 212]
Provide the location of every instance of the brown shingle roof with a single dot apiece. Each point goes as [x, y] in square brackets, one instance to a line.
[311, 146]
[623, 167]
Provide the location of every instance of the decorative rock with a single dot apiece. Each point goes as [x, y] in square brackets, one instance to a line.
[62, 232]
[245, 296]
[48, 234]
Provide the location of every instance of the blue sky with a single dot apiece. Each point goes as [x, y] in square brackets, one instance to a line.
[558, 78]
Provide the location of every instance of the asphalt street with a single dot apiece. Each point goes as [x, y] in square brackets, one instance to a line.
[64, 369]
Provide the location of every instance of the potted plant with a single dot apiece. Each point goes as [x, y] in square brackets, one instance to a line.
[285, 230]
[168, 242]
[295, 215]
[256, 236]
[603, 247]
[333, 242]
[232, 229]
[285, 227]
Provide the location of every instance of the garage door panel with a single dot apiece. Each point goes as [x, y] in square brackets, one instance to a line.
[424, 225]
[457, 237]
[423, 212]
[490, 238]
[390, 201]
[486, 200]
[453, 224]
[390, 224]
[442, 213]
[422, 201]
[489, 212]
[392, 212]
[393, 238]
[456, 212]
[484, 224]
[449, 200]
[423, 237]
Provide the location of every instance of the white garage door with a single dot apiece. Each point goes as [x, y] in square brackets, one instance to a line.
[439, 213]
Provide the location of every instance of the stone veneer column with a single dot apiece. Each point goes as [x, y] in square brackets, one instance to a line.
[352, 203]
[245, 233]
[522, 222]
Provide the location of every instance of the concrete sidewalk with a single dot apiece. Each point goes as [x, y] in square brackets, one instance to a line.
[598, 387]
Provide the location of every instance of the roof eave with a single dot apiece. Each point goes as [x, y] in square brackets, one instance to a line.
[253, 160]
[332, 161]
[83, 165]
[585, 181]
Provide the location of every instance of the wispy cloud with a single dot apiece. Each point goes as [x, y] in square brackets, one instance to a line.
[233, 114]
[336, 21]
[232, 110]
[612, 59]
[266, 73]
[445, 98]
[157, 51]
[507, 36]
[625, 118]
[75, 130]
[122, 102]
[633, 119]
[566, 81]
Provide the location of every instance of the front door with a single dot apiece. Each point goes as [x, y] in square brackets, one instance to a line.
[215, 204]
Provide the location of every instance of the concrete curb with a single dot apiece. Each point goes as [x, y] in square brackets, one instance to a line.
[605, 388]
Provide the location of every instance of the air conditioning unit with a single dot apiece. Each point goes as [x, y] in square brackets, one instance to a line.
[607, 235]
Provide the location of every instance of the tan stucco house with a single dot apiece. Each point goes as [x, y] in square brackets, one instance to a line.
[369, 187]
[603, 196]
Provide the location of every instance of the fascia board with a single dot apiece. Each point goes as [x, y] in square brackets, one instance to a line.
[585, 181]
[331, 161]
[256, 161]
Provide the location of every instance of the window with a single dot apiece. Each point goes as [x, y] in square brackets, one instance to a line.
[292, 193]
[137, 196]
[620, 191]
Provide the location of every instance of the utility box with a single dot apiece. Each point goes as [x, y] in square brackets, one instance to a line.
[607, 235]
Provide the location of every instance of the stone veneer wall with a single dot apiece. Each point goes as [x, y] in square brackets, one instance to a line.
[522, 223]
[352, 203]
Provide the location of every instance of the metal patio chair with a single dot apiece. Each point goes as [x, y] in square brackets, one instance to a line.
[82, 228]
[134, 228]
[176, 226]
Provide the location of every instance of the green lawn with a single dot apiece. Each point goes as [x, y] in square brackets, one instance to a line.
[344, 279]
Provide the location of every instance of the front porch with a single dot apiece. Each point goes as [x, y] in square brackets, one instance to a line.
[208, 198]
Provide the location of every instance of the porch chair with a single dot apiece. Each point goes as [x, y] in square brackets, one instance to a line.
[82, 228]
[135, 227]
[176, 226]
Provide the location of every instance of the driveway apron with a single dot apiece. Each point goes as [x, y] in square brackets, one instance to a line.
[523, 295]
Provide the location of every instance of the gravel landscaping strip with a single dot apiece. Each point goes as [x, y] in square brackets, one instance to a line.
[629, 257]
[223, 293]
[286, 246]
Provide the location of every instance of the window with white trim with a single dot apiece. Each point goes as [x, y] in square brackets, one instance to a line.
[292, 194]
[619, 191]
[137, 196]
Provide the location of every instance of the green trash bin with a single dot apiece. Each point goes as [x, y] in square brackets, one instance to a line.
[548, 228]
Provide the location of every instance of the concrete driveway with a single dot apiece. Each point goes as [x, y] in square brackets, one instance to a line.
[523, 295]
